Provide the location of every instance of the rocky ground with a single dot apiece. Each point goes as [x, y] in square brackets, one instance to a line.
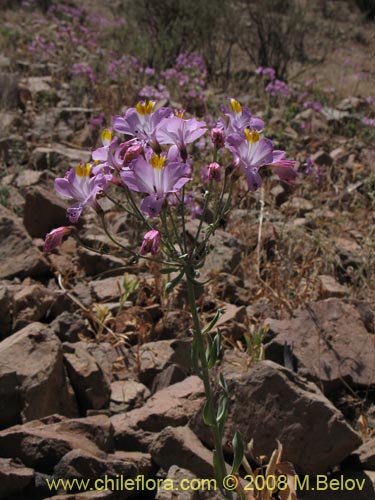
[95, 372]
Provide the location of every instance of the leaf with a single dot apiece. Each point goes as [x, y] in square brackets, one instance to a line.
[238, 449]
[213, 322]
[223, 383]
[171, 284]
[208, 412]
[195, 358]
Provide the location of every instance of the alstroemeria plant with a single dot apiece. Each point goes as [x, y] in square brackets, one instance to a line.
[151, 165]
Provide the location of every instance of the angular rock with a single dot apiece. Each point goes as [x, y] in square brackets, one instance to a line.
[142, 461]
[329, 287]
[5, 311]
[154, 357]
[84, 465]
[233, 321]
[180, 446]
[171, 375]
[18, 255]
[32, 302]
[173, 406]
[322, 158]
[32, 377]
[108, 288]
[14, 477]
[42, 446]
[28, 178]
[44, 211]
[177, 474]
[364, 457]
[57, 156]
[88, 379]
[67, 326]
[269, 402]
[330, 343]
[127, 395]
[37, 87]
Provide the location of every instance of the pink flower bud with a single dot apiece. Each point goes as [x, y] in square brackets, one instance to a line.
[218, 137]
[150, 242]
[55, 237]
[212, 172]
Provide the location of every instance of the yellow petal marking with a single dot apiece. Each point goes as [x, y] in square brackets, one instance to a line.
[83, 170]
[157, 161]
[145, 108]
[236, 106]
[106, 136]
[252, 135]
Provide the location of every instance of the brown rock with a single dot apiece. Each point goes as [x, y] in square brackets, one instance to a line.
[142, 461]
[171, 375]
[56, 156]
[177, 474]
[88, 379]
[42, 446]
[32, 302]
[18, 256]
[232, 322]
[180, 446]
[173, 406]
[270, 402]
[32, 378]
[329, 287]
[14, 477]
[127, 395]
[154, 357]
[44, 211]
[5, 311]
[364, 457]
[330, 343]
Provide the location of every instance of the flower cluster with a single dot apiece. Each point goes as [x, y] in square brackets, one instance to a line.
[153, 161]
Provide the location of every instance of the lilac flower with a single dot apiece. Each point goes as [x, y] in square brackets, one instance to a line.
[250, 153]
[124, 154]
[211, 172]
[151, 241]
[79, 185]
[283, 167]
[157, 177]
[277, 87]
[309, 164]
[368, 121]
[270, 72]
[55, 237]
[101, 154]
[238, 118]
[141, 122]
[175, 130]
[317, 106]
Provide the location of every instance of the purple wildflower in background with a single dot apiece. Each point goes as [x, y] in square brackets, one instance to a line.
[269, 72]
[141, 122]
[157, 177]
[369, 121]
[55, 237]
[81, 186]
[83, 69]
[316, 106]
[282, 167]
[277, 87]
[151, 241]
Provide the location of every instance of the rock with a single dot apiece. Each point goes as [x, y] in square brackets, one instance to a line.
[28, 178]
[154, 357]
[88, 379]
[127, 395]
[32, 377]
[42, 446]
[298, 206]
[44, 211]
[322, 158]
[94, 264]
[5, 311]
[269, 402]
[114, 361]
[330, 344]
[10, 97]
[107, 289]
[171, 375]
[174, 406]
[37, 88]
[67, 326]
[142, 461]
[83, 465]
[233, 321]
[329, 287]
[32, 303]
[173, 324]
[57, 156]
[180, 446]
[18, 256]
[364, 457]
[14, 477]
[177, 474]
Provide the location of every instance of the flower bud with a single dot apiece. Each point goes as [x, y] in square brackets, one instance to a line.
[218, 137]
[55, 237]
[212, 172]
[150, 242]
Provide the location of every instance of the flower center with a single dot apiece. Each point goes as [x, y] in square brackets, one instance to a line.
[106, 136]
[157, 161]
[252, 135]
[83, 170]
[236, 106]
[145, 107]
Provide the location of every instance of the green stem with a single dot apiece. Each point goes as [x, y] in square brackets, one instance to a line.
[206, 382]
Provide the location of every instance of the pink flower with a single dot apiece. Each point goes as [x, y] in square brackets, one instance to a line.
[55, 237]
[151, 241]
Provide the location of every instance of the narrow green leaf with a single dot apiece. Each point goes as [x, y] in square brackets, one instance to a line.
[223, 383]
[213, 322]
[195, 358]
[223, 406]
[208, 413]
[238, 449]
[171, 284]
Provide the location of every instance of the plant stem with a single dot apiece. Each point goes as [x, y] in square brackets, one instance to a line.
[207, 384]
